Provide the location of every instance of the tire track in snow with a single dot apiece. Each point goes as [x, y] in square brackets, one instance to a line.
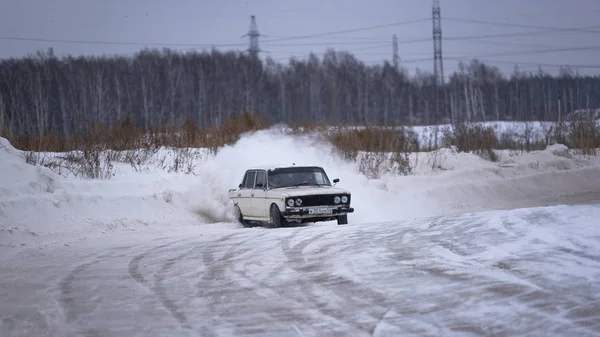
[161, 291]
[214, 267]
[363, 308]
[157, 288]
[214, 284]
[299, 303]
[134, 264]
[286, 304]
[296, 293]
[73, 303]
[499, 281]
[68, 295]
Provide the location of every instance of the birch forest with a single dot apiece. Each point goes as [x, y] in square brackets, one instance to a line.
[42, 92]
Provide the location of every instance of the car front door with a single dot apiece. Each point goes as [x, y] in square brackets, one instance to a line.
[258, 195]
[244, 193]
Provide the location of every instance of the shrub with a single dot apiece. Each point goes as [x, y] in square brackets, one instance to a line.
[385, 150]
[581, 132]
[91, 152]
[472, 137]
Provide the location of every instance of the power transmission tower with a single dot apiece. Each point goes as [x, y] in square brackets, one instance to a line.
[395, 57]
[438, 63]
[253, 33]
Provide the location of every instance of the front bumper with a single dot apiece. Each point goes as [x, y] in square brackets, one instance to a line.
[305, 211]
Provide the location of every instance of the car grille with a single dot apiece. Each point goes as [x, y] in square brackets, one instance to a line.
[320, 200]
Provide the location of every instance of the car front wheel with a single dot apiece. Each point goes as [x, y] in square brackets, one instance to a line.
[276, 219]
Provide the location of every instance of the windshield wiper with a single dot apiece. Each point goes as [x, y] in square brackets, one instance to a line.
[306, 184]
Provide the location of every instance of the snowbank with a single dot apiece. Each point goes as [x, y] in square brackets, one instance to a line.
[39, 208]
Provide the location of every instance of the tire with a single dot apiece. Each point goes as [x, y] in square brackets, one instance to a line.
[342, 219]
[276, 220]
[240, 217]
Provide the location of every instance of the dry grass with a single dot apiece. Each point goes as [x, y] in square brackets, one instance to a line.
[472, 137]
[91, 153]
[526, 141]
[377, 150]
[350, 141]
[580, 132]
[127, 136]
[308, 127]
[384, 150]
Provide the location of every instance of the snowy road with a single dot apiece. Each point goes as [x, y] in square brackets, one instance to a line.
[533, 272]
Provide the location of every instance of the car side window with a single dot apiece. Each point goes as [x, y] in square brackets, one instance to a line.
[249, 183]
[260, 179]
[243, 183]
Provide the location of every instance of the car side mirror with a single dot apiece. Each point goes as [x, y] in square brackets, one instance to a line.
[336, 180]
[240, 186]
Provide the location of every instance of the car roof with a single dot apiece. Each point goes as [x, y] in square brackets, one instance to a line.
[277, 166]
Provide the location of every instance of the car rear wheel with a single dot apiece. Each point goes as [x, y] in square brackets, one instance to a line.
[276, 219]
[240, 217]
[342, 219]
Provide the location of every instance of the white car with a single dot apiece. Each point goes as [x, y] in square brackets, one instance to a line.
[279, 195]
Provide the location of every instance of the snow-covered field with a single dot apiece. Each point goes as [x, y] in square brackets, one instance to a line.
[462, 247]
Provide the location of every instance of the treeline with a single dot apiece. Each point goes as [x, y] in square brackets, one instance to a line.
[44, 93]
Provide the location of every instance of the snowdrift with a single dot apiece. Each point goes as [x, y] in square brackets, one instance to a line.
[39, 208]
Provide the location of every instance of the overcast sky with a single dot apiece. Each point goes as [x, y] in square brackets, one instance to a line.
[187, 24]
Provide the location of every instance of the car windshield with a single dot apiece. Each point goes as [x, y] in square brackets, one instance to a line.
[297, 176]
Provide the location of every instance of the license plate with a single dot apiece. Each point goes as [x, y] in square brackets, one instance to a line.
[320, 210]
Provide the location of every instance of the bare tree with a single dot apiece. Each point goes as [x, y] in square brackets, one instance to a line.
[44, 93]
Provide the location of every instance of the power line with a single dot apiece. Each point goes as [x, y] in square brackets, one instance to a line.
[208, 45]
[322, 44]
[346, 43]
[549, 29]
[348, 51]
[590, 66]
[349, 30]
[378, 53]
[119, 42]
[428, 59]
[370, 43]
[497, 23]
[180, 44]
[381, 43]
[588, 29]
[489, 36]
[506, 43]
[386, 45]
[596, 47]
[487, 61]
[334, 37]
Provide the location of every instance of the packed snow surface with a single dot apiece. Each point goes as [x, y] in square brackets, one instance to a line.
[462, 247]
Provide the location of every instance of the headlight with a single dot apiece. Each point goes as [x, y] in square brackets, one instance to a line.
[336, 199]
[344, 199]
[298, 202]
[290, 202]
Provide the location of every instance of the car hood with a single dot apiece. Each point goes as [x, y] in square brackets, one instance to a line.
[309, 190]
